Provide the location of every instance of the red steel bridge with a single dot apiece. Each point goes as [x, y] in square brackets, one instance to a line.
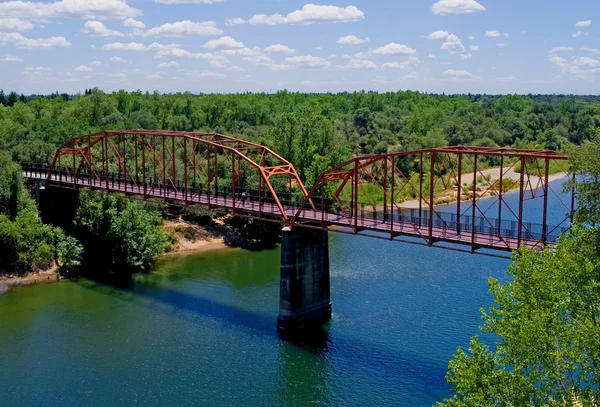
[464, 198]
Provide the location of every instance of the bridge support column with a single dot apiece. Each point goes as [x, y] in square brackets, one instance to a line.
[304, 298]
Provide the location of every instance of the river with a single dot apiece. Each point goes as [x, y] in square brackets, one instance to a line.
[201, 330]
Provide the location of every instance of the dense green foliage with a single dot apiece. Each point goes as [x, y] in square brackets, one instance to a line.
[314, 131]
[546, 320]
[26, 244]
[119, 235]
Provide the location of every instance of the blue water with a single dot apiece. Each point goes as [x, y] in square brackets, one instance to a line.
[201, 331]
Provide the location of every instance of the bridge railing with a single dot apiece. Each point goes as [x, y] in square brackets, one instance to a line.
[406, 220]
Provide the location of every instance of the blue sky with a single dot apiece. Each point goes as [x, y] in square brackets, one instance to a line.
[452, 46]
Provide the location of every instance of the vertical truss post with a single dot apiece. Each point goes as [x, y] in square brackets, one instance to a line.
[144, 166]
[164, 167]
[474, 204]
[392, 201]
[322, 180]
[521, 198]
[385, 190]
[545, 214]
[233, 175]
[173, 162]
[421, 190]
[185, 171]
[431, 191]
[572, 215]
[90, 158]
[458, 193]
[125, 161]
[500, 191]
[137, 174]
[105, 158]
[355, 196]
[216, 178]
[208, 173]
[154, 180]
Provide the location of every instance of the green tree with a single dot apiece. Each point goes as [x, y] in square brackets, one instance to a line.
[546, 321]
[119, 233]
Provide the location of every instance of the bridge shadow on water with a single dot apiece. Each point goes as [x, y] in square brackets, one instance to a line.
[388, 364]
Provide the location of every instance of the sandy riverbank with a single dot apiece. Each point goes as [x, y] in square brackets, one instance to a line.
[494, 174]
[8, 281]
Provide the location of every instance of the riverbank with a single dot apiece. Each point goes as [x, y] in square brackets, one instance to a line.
[193, 238]
[485, 178]
[9, 281]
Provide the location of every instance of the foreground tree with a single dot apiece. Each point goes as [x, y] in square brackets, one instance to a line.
[546, 321]
[548, 351]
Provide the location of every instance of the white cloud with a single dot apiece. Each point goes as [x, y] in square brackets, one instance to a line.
[83, 68]
[465, 57]
[492, 33]
[96, 63]
[84, 9]
[592, 50]
[310, 14]
[359, 64]
[501, 45]
[154, 76]
[410, 62]
[38, 68]
[447, 7]
[244, 52]
[98, 29]
[431, 56]
[583, 24]
[217, 61]
[509, 78]
[279, 49]
[10, 58]
[471, 38]
[23, 42]
[586, 61]
[554, 50]
[458, 74]
[307, 62]
[171, 64]
[389, 49]
[207, 74]
[136, 46]
[184, 29]
[236, 68]
[451, 42]
[15, 25]
[352, 40]
[224, 43]
[117, 59]
[579, 34]
[187, 1]
[131, 23]
[474, 47]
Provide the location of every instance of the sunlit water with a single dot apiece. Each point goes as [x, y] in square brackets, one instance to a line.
[201, 331]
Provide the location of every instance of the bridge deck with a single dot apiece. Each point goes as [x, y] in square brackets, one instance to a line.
[399, 226]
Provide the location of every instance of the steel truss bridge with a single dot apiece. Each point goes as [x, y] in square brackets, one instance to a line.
[394, 196]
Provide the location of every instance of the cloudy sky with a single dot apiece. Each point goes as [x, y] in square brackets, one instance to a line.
[452, 46]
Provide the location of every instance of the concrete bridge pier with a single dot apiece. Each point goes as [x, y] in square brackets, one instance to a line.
[305, 297]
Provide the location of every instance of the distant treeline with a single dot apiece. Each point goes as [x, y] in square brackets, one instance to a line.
[314, 131]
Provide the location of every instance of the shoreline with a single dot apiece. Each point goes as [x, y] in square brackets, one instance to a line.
[10, 281]
[414, 203]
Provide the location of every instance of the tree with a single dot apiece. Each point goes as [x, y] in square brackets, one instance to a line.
[13, 196]
[546, 321]
[12, 99]
[2, 97]
[586, 165]
[117, 233]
